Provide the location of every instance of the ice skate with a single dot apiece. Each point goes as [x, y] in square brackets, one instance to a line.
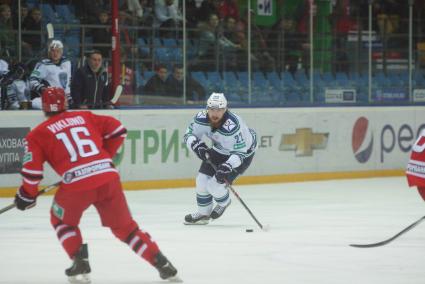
[166, 270]
[196, 219]
[219, 210]
[80, 269]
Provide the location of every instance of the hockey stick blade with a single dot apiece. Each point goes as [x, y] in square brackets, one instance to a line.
[235, 193]
[50, 31]
[43, 191]
[378, 244]
[117, 94]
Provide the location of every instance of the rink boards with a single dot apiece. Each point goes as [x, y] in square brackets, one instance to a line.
[294, 144]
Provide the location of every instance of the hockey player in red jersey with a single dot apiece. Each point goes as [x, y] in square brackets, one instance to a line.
[415, 170]
[79, 146]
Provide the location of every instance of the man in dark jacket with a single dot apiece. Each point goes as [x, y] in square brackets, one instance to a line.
[157, 84]
[89, 86]
[194, 90]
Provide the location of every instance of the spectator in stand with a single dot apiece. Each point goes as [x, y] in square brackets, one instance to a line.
[141, 14]
[208, 7]
[342, 22]
[32, 27]
[24, 14]
[168, 16]
[287, 45]
[88, 11]
[102, 36]
[89, 85]
[157, 84]
[228, 8]
[7, 35]
[192, 13]
[209, 37]
[194, 90]
[127, 37]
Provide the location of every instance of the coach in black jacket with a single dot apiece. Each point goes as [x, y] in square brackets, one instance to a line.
[89, 86]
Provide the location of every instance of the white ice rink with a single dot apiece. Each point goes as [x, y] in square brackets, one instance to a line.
[312, 224]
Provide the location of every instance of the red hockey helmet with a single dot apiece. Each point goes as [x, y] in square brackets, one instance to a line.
[53, 99]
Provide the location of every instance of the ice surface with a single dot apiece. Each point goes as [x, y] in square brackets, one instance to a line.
[311, 225]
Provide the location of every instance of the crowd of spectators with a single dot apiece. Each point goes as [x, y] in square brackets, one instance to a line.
[217, 28]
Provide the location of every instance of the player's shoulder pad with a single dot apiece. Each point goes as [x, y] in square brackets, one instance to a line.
[45, 61]
[230, 125]
[65, 59]
[201, 118]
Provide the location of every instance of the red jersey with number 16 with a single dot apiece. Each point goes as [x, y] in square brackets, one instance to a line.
[415, 170]
[78, 145]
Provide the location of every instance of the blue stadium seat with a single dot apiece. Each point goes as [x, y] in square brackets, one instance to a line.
[169, 42]
[143, 46]
[72, 44]
[163, 55]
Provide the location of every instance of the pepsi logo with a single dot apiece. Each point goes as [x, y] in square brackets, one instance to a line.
[362, 140]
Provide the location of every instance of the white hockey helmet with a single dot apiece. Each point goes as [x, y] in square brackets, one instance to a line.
[55, 44]
[217, 100]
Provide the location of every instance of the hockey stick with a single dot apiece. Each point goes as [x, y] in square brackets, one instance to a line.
[50, 31]
[117, 94]
[43, 191]
[408, 228]
[229, 186]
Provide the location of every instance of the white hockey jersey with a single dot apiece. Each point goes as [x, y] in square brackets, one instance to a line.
[233, 138]
[4, 67]
[56, 75]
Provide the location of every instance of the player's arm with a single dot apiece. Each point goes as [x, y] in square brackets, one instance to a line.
[36, 80]
[112, 131]
[32, 174]
[193, 136]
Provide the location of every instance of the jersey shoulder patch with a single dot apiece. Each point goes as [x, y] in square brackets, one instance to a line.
[230, 125]
[201, 118]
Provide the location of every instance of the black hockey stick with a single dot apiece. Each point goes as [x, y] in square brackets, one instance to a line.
[43, 191]
[229, 186]
[408, 228]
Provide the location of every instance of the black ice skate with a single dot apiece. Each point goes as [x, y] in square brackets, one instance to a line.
[219, 210]
[166, 270]
[196, 219]
[80, 269]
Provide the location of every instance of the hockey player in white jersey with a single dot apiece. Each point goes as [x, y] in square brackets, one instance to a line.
[54, 71]
[233, 148]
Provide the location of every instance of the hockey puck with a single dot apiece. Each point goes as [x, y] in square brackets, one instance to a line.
[249, 230]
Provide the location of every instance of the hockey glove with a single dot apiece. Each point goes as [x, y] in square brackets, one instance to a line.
[223, 171]
[200, 149]
[24, 201]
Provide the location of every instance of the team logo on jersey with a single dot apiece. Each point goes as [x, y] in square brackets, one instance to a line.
[67, 177]
[202, 114]
[27, 158]
[303, 142]
[362, 140]
[229, 125]
[63, 79]
[57, 210]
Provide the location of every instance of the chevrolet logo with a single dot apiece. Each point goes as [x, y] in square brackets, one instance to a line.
[304, 141]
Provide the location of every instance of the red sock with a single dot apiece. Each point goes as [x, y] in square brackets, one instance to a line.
[421, 191]
[141, 243]
[70, 238]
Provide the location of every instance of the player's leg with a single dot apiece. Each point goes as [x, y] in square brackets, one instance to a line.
[220, 192]
[66, 213]
[114, 213]
[204, 201]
